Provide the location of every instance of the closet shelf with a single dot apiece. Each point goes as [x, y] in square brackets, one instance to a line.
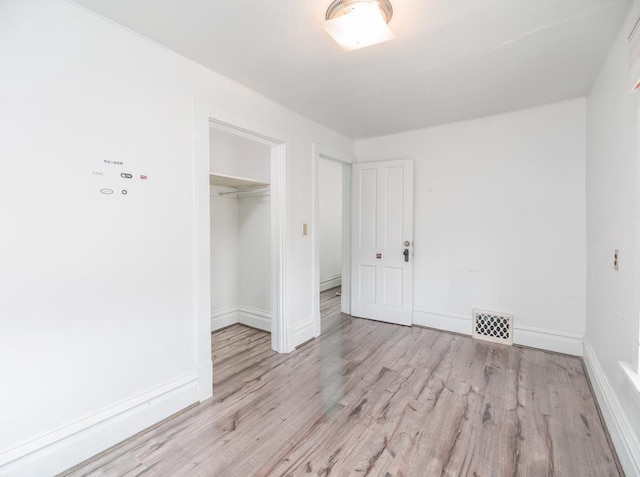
[240, 183]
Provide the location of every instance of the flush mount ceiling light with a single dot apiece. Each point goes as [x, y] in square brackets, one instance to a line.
[355, 24]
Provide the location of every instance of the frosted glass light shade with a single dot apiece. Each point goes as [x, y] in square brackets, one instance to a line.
[362, 25]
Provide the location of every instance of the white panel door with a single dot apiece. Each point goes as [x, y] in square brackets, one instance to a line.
[382, 241]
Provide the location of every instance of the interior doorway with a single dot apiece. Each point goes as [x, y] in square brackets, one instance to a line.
[330, 208]
[331, 230]
[278, 143]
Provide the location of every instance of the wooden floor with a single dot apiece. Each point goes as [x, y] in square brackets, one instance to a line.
[370, 398]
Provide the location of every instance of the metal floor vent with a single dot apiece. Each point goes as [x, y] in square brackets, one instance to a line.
[494, 326]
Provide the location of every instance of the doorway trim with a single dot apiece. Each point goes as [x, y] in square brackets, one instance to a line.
[346, 159]
[206, 116]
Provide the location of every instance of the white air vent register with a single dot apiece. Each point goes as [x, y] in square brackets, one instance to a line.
[494, 326]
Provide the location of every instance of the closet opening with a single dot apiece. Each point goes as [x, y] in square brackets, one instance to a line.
[242, 275]
[246, 197]
[224, 297]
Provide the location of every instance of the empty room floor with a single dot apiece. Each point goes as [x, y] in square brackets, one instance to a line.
[370, 398]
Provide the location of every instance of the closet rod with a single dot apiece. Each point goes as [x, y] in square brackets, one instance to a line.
[261, 189]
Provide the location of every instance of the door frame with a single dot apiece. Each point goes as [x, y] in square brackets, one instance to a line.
[347, 160]
[206, 116]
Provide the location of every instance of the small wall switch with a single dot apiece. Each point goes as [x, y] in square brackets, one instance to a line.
[304, 229]
[615, 260]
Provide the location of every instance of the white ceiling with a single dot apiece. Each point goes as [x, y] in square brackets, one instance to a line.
[451, 59]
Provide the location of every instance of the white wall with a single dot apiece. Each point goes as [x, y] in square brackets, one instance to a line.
[224, 258]
[255, 254]
[499, 221]
[241, 282]
[97, 303]
[234, 155]
[330, 222]
[612, 223]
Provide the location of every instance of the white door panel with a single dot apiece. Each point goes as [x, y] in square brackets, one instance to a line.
[382, 222]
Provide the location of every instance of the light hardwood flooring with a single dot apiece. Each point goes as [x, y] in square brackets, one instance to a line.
[369, 398]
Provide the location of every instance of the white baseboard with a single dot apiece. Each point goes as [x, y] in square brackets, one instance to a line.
[331, 282]
[59, 450]
[304, 331]
[618, 424]
[317, 325]
[442, 321]
[260, 319]
[205, 381]
[542, 338]
[224, 317]
[550, 340]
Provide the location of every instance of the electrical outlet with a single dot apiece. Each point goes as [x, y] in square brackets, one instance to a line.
[615, 260]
